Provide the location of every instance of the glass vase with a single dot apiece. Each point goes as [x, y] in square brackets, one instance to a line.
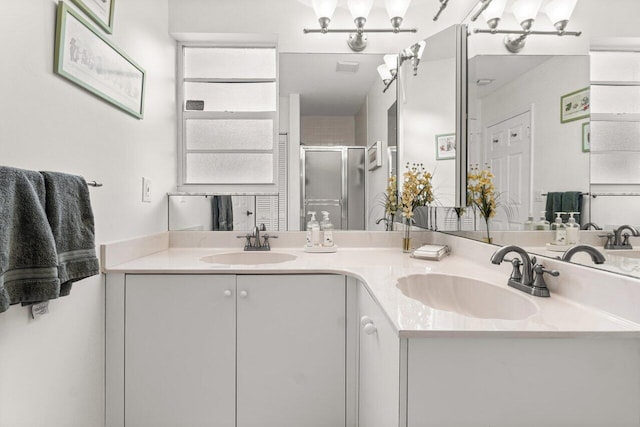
[406, 235]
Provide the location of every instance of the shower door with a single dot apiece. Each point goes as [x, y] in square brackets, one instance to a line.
[332, 180]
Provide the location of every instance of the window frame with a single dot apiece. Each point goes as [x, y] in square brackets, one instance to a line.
[183, 116]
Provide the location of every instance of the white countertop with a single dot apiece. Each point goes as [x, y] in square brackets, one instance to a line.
[379, 270]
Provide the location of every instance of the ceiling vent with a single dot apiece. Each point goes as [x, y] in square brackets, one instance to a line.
[484, 82]
[347, 67]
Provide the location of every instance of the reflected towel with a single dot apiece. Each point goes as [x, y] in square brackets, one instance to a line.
[69, 212]
[572, 202]
[554, 204]
[222, 207]
[28, 260]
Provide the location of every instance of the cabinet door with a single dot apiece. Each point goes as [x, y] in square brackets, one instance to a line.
[180, 351]
[291, 351]
[379, 376]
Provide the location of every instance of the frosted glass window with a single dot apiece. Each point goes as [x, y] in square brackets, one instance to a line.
[233, 96]
[615, 99]
[615, 136]
[619, 167]
[615, 66]
[229, 134]
[230, 63]
[229, 168]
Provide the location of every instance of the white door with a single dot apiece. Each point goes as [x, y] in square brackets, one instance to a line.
[180, 351]
[244, 210]
[291, 351]
[508, 152]
[379, 371]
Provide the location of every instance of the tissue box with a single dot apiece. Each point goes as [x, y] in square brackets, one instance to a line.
[431, 252]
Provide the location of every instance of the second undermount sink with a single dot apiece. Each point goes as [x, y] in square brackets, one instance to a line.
[249, 258]
[466, 296]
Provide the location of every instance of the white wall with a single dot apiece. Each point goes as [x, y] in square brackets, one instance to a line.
[52, 369]
[328, 130]
[377, 105]
[558, 161]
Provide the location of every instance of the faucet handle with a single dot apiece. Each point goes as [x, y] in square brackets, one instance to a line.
[609, 243]
[539, 285]
[516, 274]
[625, 242]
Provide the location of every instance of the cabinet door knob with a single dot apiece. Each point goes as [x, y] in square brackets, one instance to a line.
[370, 329]
[244, 294]
[365, 320]
[227, 293]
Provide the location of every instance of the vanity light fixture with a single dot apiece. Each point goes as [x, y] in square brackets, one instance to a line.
[359, 9]
[526, 11]
[388, 71]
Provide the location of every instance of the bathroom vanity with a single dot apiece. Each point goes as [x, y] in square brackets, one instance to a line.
[366, 336]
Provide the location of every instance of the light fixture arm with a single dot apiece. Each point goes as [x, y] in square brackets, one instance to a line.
[484, 4]
[443, 6]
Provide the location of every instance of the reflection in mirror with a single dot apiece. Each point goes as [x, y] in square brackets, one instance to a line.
[431, 112]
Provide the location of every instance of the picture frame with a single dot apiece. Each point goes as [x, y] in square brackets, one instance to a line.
[446, 146]
[575, 105]
[586, 137]
[374, 155]
[100, 12]
[89, 60]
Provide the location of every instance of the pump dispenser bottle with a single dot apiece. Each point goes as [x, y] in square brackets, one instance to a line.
[573, 230]
[561, 231]
[542, 224]
[327, 230]
[313, 230]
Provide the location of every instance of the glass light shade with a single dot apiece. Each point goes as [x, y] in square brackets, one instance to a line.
[526, 9]
[421, 46]
[360, 8]
[560, 10]
[494, 10]
[397, 8]
[391, 62]
[384, 72]
[324, 8]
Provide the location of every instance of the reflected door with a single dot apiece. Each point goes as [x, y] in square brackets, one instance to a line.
[508, 151]
[324, 187]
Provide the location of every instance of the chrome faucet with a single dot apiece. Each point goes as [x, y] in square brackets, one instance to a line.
[589, 225]
[621, 241]
[596, 255]
[256, 242]
[531, 279]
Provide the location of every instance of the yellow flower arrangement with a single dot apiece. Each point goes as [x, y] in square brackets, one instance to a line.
[482, 194]
[391, 198]
[416, 189]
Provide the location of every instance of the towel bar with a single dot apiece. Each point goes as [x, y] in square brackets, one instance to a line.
[94, 184]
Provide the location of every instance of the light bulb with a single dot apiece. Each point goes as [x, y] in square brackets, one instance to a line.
[360, 8]
[397, 8]
[494, 10]
[384, 72]
[324, 8]
[391, 62]
[526, 10]
[560, 10]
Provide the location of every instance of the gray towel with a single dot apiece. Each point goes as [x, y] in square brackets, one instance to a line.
[28, 261]
[68, 209]
[222, 207]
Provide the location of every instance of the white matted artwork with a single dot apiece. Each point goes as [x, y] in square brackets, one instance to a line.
[446, 146]
[91, 61]
[100, 11]
[374, 155]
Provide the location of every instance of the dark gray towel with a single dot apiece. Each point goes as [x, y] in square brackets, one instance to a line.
[554, 204]
[222, 210]
[68, 209]
[28, 261]
[572, 202]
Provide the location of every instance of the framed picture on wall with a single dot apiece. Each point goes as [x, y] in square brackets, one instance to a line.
[100, 11]
[586, 137]
[575, 105]
[446, 146]
[89, 60]
[374, 155]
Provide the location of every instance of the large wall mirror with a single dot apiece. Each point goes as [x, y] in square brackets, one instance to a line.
[518, 129]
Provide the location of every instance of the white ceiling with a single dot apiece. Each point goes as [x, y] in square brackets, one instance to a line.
[323, 91]
[501, 68]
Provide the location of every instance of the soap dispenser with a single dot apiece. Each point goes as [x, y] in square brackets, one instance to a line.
[560, 231]
[542, 224]
[573, 230]
[313, 230]
[327, 230]
[529, 224]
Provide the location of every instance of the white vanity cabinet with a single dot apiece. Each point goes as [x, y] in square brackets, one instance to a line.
[226, 350]
[379, 365]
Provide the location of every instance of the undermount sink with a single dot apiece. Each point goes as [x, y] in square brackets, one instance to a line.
[249, 258]
[466, 296]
